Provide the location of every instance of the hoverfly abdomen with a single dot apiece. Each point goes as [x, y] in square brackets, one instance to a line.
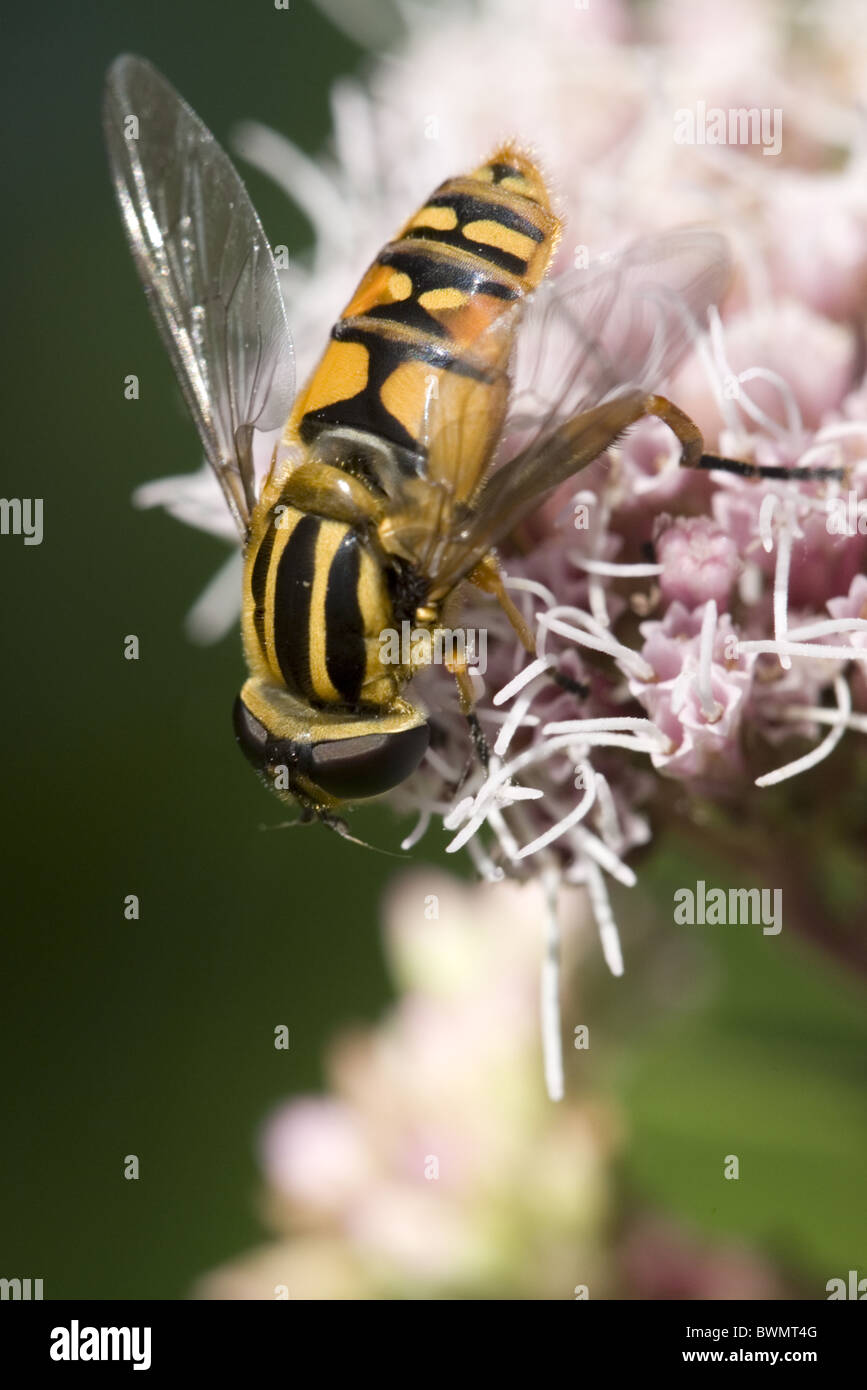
[316, 606]
[414, 327]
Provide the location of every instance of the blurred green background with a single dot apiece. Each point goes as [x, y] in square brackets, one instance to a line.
[155, 1037]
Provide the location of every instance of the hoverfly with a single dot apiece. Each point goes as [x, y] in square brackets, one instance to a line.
[382, 497]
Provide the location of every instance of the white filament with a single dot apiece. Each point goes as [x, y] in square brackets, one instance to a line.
[704, 682]
[549, 992]
[816, 650]
[524, 677]
[601, 904]
[827, 746]
[574, 816]
[785, 539]
[418, 831]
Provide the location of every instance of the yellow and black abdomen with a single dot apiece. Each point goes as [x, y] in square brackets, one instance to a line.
[336, 554]
[418, 320]
[315, 606]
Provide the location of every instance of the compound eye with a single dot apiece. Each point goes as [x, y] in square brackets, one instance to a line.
[250, 733]
[352, 768]
[257, 744]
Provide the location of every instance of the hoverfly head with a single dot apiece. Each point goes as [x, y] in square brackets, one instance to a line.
[324, 761]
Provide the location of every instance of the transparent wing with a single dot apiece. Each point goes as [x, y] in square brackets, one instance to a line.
[592, 342]
[462, 423]
[625, 321]
[207, 270]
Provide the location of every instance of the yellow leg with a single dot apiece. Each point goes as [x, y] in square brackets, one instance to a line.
[685, 430]
[458, 668]
[487, 576]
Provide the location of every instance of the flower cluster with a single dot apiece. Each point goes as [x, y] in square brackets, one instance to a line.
[719, 622]
[434, 1167]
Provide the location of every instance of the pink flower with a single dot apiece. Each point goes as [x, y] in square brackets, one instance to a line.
[853, 605]
[435, 1154]
[315, 1155]
[699, 561]
[697, 693]
[817, 242]
[433, 1167]
[662, 1261]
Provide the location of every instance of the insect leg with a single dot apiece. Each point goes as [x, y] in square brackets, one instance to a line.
[770, 470]
[694, 456]
[488, 577]
[686, 431]
[457, 665]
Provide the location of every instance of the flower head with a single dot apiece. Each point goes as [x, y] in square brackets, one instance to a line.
[433, 1167]
[717, 622]
[435, 1154]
